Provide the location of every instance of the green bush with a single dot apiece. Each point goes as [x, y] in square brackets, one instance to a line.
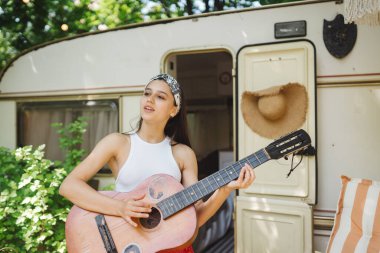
[70, 140]
[10, 174]
[32, 213]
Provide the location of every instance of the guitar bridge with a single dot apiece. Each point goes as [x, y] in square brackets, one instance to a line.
[105, 233]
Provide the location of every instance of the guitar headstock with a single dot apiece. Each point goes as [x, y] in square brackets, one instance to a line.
[288, 144]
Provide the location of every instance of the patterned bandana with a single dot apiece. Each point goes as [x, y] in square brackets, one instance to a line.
[173, 85]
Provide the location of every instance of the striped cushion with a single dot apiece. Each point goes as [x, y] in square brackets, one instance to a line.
[357, 220]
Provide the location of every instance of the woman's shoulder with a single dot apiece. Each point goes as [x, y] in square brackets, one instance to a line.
[115, 139]
[185, 157]
[182, 150]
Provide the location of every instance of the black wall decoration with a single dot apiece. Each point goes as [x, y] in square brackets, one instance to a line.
[339, 37]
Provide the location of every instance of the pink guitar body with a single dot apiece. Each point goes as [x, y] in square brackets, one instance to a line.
[173, 233]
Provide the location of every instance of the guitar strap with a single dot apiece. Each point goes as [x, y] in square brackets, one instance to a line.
[105, 233]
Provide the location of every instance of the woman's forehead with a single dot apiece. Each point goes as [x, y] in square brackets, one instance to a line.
[159, 85]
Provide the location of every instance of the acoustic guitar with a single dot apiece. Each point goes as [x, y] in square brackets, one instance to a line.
[172, 224]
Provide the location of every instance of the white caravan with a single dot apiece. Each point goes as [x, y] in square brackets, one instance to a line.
[216, 57]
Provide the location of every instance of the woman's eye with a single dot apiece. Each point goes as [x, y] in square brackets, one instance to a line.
[146, 93]
[161, 97]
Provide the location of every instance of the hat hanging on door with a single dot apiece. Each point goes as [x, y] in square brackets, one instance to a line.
[275, 111]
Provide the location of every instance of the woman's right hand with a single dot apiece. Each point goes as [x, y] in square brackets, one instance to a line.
[134, 208]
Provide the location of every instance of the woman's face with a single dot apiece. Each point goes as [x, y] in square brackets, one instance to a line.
[157, 102]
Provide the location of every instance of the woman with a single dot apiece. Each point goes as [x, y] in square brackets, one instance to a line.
[160, 145]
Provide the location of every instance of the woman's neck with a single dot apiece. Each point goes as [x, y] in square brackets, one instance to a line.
[151, 133]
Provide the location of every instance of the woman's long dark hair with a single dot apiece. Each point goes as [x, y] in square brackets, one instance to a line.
[176, 127]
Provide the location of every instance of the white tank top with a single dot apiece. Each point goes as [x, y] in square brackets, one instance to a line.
[144, 160]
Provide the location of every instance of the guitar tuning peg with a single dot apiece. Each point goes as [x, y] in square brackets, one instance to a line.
[307, 151]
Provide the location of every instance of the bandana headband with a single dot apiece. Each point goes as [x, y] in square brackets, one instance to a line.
[173, 85]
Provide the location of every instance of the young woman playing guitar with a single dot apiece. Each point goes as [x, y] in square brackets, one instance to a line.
[159, 145]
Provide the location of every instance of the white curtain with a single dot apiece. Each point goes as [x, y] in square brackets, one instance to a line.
[100, 123]
[36, 126]
[210, 130]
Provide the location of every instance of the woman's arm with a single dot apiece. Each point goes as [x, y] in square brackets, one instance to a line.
[76, 189]
[207, 209]
[189, 176]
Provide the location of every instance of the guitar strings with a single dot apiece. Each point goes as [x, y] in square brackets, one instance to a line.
[218, 179]
[291, 165]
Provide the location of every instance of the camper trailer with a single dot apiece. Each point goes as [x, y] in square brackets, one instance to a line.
[216, 57]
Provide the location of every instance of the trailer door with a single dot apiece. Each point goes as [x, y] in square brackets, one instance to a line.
[275, 213]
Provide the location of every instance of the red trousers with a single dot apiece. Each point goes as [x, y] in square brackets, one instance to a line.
[186, 250]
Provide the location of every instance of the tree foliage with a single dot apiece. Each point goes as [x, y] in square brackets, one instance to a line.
[25, 23]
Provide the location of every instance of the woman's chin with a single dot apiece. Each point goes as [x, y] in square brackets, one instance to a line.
[148, 117]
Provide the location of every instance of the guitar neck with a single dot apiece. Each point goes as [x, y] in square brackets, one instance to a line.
[197, 191]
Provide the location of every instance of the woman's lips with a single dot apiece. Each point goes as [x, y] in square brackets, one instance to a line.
[148, 108]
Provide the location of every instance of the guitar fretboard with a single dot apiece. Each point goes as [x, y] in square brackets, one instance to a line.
[195, 192]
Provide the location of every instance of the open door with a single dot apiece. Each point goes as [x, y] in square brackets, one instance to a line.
[275, 213]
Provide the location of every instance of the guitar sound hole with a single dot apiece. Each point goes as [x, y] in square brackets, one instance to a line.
[153, 220]
[132, 248]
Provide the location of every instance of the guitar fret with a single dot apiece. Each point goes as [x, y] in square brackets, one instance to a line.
[179, 204]
[189, 194]
[193, 192]
[249, 163]
[176, 203]
[182, 198]
[208, 180]
[217, 177]
[204, 187]
[159, 205]
[260, 155]
[256, 157]
[242, 164]
[264, 155]
[237, 168]
[213, 182]
[265, 152]
[217, 180]
[186, 195]
[228, 175]
[165, 208]
[222, 177]
[199, 191]
[254, 162]
[208, 185]
[232, 172]
[170, 206]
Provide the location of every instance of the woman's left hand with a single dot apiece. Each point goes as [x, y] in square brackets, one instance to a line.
[245, 179]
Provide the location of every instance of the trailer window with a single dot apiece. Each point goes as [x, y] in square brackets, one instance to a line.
[35, 121]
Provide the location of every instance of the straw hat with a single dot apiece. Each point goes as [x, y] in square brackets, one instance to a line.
[275, 111]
